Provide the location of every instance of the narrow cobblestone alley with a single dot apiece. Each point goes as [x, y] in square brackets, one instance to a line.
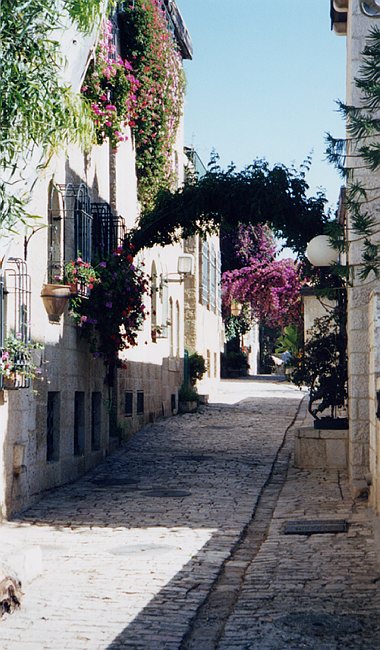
[176, 541]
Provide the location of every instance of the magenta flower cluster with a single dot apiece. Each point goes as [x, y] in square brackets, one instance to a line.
[110, 88]
[272, 289]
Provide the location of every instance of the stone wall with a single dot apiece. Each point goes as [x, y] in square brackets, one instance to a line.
[360, 351]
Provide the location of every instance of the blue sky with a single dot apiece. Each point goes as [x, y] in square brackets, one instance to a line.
[263, 82]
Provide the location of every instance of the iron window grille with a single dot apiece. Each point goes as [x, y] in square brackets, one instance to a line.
[77, 215]
[108, 230]
[15, 295]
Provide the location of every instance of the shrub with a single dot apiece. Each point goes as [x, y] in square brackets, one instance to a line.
[197, 367]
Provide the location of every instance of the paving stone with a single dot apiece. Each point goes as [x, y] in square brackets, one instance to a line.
[125, 569]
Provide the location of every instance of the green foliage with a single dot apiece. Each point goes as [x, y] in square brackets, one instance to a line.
[259, 194]
[112, 316]
[290, 340]
[85, 12]
[16, 358]
[323, 364]
[236, 326]
[197, 367]
[361, 150]
[236, 361]
[187, 394]
[37, 109]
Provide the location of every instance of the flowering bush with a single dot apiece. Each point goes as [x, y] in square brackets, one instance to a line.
[110, 88]
[272, 289]
[115, 311]
[154, 55]
[144, 91]
[16, 358]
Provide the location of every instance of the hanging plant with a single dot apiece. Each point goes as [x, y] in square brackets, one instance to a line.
[114, 313]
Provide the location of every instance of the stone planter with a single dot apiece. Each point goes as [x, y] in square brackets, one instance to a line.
[188, 407]
[320, 448]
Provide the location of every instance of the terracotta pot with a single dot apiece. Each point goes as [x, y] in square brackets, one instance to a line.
[55, 297]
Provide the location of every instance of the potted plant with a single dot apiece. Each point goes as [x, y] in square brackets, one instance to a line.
[17, 363]
[80, 276]
[322, 366]
[187, 399]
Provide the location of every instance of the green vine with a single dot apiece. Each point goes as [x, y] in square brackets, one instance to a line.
[257, 195]
[360, 150]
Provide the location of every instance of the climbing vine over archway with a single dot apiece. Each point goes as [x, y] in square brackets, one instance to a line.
[259, 194]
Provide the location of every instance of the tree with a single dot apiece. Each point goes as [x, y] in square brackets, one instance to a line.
[270, 287]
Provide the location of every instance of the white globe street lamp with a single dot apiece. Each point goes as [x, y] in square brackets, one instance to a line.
[319, 251]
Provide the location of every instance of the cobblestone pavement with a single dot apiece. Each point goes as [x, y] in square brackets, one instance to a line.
[184, 520]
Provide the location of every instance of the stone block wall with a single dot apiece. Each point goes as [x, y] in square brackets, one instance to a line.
[360, 324]
[320, 448]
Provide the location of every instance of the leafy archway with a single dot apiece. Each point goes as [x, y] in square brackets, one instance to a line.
[259, 194]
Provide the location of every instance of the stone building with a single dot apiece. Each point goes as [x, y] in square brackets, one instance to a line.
[203, 328]
[55, 428]
[355, 19]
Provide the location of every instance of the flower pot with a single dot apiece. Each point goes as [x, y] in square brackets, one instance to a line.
[55, 297]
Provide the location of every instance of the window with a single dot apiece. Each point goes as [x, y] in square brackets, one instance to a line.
[212, 266]
[77, 226]
[55, 232]
[128, 404]
[178, 329]
[208, 358]
[79, 423]
[53, 426]
[218, 284]
[96, 420]
[140, 402]
[15, 314]
[83, 224]
[108, 231]
[153, 294]
[204, 286]
[171, 327]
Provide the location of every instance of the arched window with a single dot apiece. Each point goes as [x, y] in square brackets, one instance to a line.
[171, 327]
[178, 329]
[153, 302]
[55, 233]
